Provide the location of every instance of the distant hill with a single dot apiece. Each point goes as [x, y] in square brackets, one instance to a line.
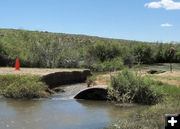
[44, 49]
[24, 34]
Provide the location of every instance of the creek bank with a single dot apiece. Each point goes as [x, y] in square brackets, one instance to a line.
[30, 86]
[56, 79]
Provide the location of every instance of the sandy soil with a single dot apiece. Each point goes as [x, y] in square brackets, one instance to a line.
[164, 77]
[170, 82]
[105, 79]
[34, 71]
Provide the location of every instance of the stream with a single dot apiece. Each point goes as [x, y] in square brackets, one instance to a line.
[61, 112]
[162, 66]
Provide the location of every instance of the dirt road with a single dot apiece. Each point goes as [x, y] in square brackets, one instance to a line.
[34, 71]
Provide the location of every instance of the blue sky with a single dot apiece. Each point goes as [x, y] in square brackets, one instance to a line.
[144, 20]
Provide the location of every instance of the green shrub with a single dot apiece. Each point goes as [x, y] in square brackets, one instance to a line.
[110, 65]
[113, 65]
[97, 67]
[143, 53]
[22, 86]
[103, 51]
[127, 87]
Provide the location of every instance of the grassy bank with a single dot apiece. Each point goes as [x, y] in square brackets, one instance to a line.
[171, 80]
[22, 86]
[153, 116]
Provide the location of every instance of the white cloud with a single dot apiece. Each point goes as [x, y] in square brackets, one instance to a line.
[167, 4]
[166, 25]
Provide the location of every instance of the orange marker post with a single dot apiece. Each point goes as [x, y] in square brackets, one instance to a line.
[17, 64]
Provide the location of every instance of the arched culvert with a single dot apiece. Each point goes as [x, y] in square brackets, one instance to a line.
[94, 93]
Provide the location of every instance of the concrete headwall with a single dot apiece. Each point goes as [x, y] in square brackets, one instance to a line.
[60, 78]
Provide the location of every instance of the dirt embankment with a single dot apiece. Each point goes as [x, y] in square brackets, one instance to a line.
[52, 77]
[60, 78]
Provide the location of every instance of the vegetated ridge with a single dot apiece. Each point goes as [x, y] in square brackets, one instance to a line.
[54, 50]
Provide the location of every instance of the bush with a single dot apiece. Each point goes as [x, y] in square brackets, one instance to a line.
[144, 53]
[22, 86]
[103, 51]
[113, 65]
[110, 65]
[127, 88]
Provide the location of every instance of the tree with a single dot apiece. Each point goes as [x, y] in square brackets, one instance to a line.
[103, 51]
[177, 55]
[2, 56]
[143, 53]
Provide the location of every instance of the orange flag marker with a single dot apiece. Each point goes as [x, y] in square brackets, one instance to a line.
[17, 64]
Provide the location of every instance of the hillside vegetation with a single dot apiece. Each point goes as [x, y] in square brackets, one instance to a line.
[54, 50]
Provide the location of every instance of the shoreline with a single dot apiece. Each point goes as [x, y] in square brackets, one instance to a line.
[37, 83]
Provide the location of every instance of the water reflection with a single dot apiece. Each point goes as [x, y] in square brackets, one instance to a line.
[113, 111]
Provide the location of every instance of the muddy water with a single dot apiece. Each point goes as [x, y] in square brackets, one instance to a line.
[60, 112]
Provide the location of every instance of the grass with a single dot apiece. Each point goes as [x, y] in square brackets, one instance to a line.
[173, 92]
[153, 117]
[165, 77]
[22, 86]
[171, 80]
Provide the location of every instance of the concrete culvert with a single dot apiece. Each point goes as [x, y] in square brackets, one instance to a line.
[93, 93]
